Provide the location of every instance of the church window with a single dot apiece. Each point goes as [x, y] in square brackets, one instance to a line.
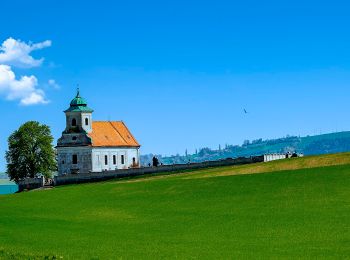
[62, 162]
[114, 160]
[86, 121]
[122, 159]
[74, 122]
[133, 161]
[75, 159]
[106, 160]
[74, 138]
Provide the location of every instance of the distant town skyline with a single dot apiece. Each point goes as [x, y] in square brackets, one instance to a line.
[182, 75]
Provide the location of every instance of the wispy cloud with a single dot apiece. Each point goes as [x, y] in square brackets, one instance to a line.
[52, 83]
[17, 54]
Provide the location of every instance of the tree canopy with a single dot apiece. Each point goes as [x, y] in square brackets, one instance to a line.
[30, 152]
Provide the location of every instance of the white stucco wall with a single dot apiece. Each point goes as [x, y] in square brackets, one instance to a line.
[88, 116]
[92, 159]
[98, 158]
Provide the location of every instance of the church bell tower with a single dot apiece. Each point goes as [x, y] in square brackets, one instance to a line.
[78, 124]
[78, 116]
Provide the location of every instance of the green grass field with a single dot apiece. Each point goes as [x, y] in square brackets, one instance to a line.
[301, 212]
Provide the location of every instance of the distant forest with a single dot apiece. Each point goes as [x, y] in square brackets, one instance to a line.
[308, 145]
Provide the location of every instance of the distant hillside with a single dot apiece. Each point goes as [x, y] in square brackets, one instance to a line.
[3, 175]
[308, 145]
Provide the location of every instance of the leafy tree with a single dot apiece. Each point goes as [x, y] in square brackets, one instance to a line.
[30, 152]
[246, 143]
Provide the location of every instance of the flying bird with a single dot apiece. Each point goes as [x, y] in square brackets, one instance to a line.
[245, 111]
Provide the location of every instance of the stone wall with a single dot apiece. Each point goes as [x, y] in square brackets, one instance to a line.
[65, 159]
[31, 183]
[107, 175]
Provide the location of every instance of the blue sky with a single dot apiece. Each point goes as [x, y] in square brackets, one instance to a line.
[180, 73]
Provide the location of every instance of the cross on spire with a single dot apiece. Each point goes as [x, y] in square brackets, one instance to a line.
[78, 91]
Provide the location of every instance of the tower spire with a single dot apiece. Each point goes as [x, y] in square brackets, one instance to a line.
[78, 91]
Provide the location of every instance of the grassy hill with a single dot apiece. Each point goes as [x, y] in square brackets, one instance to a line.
[300, 212]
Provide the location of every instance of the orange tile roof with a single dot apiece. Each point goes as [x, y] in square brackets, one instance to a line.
[111, 134]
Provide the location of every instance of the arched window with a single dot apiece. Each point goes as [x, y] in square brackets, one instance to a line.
[74, 122]
[114, 159]
[106, 160]
[86, 121]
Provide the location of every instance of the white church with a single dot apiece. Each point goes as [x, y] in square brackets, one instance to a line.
[94, 146]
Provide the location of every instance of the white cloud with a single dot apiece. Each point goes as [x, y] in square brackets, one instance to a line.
[52, 83]
[25, 89]
[36, 97]
[17, 53]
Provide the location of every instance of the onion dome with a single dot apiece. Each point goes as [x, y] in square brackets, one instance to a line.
[78, 104]
[78, 100]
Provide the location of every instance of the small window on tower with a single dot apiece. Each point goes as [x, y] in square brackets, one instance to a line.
[74, 122]
[86, 121]
[75, 159]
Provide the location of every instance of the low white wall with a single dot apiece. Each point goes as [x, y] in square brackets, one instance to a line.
[273, 157]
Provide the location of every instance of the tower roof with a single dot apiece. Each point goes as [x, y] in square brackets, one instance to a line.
[78, 104]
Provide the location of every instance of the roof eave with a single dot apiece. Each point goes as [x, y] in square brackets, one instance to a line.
[116, 146]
